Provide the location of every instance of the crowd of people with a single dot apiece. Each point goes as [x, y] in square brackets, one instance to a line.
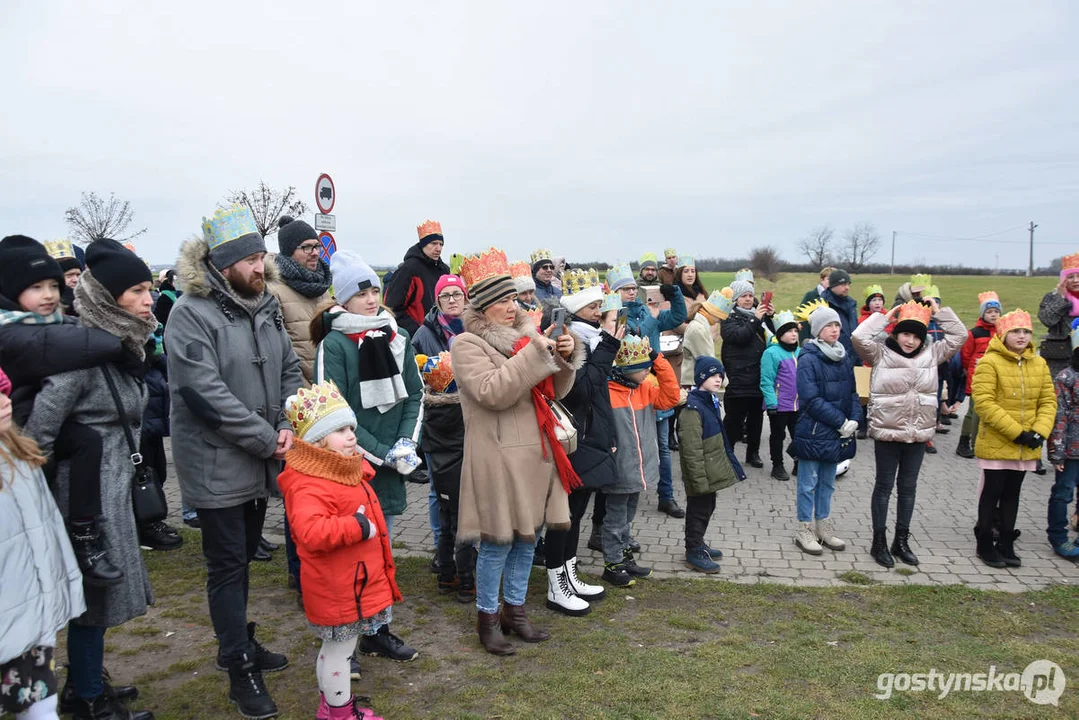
[518, 392]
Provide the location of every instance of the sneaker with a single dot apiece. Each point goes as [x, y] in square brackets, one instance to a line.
[806, 539]
[943, 429]
[616, 574]
[1067, 550]
[247, 690]
[435, 567]
[840, 469]
[929, 447]
[826, 535]
[159, 536]
[633, 546]
[699, 560]
[632, 567]
[780, 473]
[387, 645]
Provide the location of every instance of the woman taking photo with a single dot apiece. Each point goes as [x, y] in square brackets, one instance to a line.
[112, 295]
[516, 475]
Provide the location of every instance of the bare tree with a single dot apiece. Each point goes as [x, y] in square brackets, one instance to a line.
[95, 218]
[267, 205]
[860, 244]
[765, 261]
[816, 244]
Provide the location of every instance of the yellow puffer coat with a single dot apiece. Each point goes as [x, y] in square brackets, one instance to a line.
[1013, 393]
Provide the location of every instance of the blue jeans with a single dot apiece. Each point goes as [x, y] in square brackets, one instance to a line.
[816, 484]
[432, 507]
[509, 565]
[389, 524]
[1062, 493]
[187, 513]
[86, 654]
[666, 488]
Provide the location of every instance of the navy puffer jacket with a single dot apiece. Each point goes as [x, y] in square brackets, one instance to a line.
[827, 397]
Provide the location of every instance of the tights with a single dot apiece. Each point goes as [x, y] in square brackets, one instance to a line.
[333, 671]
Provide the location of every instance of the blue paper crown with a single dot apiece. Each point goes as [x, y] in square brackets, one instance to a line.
[228, 225]
[687, 261]
[611, 301]
[744, 274]
[619, 277]
[1075, 333]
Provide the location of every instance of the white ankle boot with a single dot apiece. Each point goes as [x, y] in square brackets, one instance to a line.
[559, 596]
[580, 588]
[826, 535]
[806, 539]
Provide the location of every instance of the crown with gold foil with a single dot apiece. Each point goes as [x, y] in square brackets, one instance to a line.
[916, 311]
[873, 290]
[520, 269]
[670, 253]
[1015, 320]
[535, 315]
[720, 303]
[920, 281]
[611, 301]
[687, 261]
[620, 276]
[744, 274]
[1069, 263]
[437, 372]
[428, 227]
[59, 249]
[783, 318]
[540, 254]
[317, 411]
[488, 264]
[802, 312]
[931, 291]
[649, 258]
[633, 351]
[575, 281]
[228, 224]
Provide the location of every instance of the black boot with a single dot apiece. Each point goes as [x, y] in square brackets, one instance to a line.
[595, 541]
[69, 702]
[779, 472]
[879, 550]
[965, 449]
[754, 460]
[539, 557]
[901, 546]
[247, 691]
[1006, 548]
[105, 708]
[89, 547]
[987, 549]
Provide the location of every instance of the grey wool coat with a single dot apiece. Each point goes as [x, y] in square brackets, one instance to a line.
[231, 368]
[82, 396]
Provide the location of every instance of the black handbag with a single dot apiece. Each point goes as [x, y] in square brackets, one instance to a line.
[147, 497]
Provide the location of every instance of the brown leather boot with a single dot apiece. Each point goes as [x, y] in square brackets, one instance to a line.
[513, 618]
[491, 637]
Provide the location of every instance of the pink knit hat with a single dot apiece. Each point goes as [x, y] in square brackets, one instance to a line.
[5, 383]
[450, 281]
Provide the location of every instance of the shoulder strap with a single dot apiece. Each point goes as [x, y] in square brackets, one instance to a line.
[136, 456]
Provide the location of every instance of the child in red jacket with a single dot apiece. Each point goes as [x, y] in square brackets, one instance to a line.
[975, 346]
[346, 569]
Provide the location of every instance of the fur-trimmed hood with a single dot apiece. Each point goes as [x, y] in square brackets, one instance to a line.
[193, 273]
[440, 399]
[502, 338]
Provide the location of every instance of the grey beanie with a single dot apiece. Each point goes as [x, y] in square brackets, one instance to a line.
[292, 234]
[821, 317]
[351, 275]
[740, 288]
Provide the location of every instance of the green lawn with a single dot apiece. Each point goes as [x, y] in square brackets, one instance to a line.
[662, 649]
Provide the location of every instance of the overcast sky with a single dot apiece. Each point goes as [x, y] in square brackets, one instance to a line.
[598, 129]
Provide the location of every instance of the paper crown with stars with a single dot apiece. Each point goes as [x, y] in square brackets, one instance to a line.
[59, 249]
[719, 304]
[541, 254]
[620, 276]
[744, 274]
[317, 411]
[437, 372]
[635, 353]
[784, 320]
[227, 225]
[611, 301]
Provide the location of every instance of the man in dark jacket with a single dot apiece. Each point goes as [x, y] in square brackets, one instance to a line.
[231, 367]
[411, 290]
[811, 296]
[543, 271]
[837, 295]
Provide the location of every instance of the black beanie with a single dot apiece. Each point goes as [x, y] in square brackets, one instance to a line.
[23, 262]
[911, 326]
[116, 267]
[69, 263]
[292, 234]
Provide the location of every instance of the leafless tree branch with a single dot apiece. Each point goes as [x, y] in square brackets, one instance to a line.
[95, 218]
[267, 205]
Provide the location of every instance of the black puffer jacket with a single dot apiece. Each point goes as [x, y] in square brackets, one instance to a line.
[155, 419]
[411, 290]
[743, 346]
[589, 401]
[443, 440]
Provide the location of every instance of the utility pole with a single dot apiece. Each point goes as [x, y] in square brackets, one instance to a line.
[893, 252]
[1030, 266]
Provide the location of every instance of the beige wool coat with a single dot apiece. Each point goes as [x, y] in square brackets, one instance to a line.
[299, 311]
[508, 488]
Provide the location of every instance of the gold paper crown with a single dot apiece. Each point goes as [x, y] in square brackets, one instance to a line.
[428, 227]
[670, 252]
[920, 280]
[309, 405]
[915, 311]
[1014, 320]
[804, 311]
[873, 290]
[1070, 262]
[540, 254]
[520, 269]
[575, 281]
[437, 371]
[59, 249]
[988, 296]
[633, 351]
[488, 264]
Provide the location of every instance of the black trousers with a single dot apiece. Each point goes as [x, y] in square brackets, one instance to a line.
[782, 426]
[599, 511]
[699, 509]
[453, 557]
[230, 537]
[82, 446]
[561, 545]
[1000, 492]
[152, 448]
[747, 412]
[898, 464]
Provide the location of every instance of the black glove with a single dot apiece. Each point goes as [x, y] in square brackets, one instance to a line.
[653, 355]
[367, 528]
[1026, 438]
[1035, 441]
[668, 292]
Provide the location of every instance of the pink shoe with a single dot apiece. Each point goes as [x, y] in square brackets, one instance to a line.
[323, 709]
[352, 711]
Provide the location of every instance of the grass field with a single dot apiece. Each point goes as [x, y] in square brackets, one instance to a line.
[960, 292]
[662, 649]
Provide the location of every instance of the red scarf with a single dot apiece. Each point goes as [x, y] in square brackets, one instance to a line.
[541, 393]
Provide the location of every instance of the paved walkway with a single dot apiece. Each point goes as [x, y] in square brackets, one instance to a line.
[754, 525]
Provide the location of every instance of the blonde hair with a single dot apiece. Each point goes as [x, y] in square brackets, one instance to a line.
[14, 445]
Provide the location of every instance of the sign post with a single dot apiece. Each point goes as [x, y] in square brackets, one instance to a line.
[325, 198]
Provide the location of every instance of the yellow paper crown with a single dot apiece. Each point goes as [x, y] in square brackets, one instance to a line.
[670, 252]
[804, 311]
[437, 371]
[633, 351]
[540, 254]
[227, 225]
[920, 280]
[309, 405]
[59, 249]
[575, 281]
[873, 290]
[428, 227]
[1070, 262]
[488, 264]
[915, 311]
[520, 269]
[1015, 320]
[932, 291]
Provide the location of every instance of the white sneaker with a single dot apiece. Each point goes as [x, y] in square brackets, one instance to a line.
[806, 539]
[826, 534]
[842, 467]
[559, 596]
[580, 588]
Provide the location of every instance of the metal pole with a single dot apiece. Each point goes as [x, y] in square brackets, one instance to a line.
[1030, 265]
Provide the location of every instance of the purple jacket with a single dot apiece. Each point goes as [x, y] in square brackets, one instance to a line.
[779, 378]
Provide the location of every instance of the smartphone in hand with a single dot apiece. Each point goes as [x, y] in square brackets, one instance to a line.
[558, 322]
[767, 299]
[623, 315]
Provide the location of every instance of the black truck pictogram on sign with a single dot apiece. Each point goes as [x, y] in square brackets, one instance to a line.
[325, 193]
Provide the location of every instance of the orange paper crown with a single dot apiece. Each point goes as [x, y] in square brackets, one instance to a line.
[536, 315]
[488, 264]
[1070, 262]
[428, 227]
[916, 311]
[437, 371]
[520, 269]
[1015, 320]
[988, 296]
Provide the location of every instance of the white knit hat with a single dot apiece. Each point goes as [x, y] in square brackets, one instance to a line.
[524, 283]
[582, 299]
[351, 275]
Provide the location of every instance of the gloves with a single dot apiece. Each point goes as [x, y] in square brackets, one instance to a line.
[1026, 438]
[401, 448]
[653, 355]
[367, 528]
[848, 428]
[407, 465]
[668, 292]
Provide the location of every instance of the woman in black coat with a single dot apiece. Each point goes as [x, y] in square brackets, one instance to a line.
[743, 346]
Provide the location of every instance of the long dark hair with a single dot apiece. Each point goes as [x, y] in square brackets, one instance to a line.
[690, 291]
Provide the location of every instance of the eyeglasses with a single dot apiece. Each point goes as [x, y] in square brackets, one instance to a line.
[451, 297]
[310, 248]
[548, 266]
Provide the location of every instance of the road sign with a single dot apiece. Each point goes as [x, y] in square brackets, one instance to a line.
[325, 222]
[329, 246]
[325, 195]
